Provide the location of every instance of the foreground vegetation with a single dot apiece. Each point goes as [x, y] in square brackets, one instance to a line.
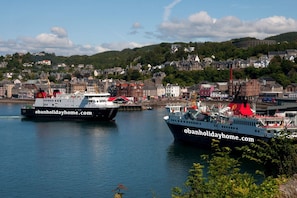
[226, 179]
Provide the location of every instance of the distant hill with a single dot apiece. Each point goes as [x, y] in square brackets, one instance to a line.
[285, 37]
[160, 53]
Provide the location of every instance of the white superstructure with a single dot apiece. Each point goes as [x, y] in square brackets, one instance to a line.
[83, 100]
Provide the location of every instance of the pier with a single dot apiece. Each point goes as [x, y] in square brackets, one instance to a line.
[131, 107]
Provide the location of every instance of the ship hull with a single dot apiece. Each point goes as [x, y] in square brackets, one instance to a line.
[202, 137]
[55, 113]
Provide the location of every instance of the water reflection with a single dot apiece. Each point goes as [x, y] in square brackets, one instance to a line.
[180, 159]
[77, 148]
[61, 128]
[185, 154]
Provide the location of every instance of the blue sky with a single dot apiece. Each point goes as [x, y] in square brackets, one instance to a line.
[87, 27]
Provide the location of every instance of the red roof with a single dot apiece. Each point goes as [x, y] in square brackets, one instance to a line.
[119, 97]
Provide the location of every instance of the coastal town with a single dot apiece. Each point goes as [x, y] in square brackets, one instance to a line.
[148, 99]
[153, 90]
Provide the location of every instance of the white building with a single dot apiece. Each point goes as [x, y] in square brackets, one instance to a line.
[44, 62]
[172, 90]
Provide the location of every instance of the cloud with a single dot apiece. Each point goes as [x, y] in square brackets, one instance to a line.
[59, 32]
[136, 25]
[167, 10]
[119, 45]
[201, 18]
[200, 27]
[197, 27]
[57, 42]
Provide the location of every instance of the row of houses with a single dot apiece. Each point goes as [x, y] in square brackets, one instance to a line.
[137, 90]
[148, 90]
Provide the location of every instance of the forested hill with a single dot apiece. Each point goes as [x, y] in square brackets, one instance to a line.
[161, 53]
[285, 37]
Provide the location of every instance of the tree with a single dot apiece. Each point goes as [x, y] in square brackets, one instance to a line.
[77, 74]
[170, 79]
[132, 74]
[287, 65]
[112, 90]
[293, 75]
[52, 78]
[224, 179]
[278, 156]
[252, 72]
[281, 78]
[67, 77]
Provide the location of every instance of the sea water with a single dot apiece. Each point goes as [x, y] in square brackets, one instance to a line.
[90, 159]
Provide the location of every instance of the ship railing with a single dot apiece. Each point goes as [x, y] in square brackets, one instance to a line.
[275, 127]
[176, 107]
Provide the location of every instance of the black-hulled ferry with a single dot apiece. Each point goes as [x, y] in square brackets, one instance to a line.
[76, 106]
[233, 125]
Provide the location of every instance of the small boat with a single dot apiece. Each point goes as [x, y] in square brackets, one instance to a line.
[233, 125]
[149, 108]
[76, 106]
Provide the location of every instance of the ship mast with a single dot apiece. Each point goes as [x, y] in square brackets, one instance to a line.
[231, 86]
[49, 88]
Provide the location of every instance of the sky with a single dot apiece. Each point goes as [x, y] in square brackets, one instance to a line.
[88, 27]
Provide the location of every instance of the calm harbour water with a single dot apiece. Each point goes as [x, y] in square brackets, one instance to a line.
[87, 159]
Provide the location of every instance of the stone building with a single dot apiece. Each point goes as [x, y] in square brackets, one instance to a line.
[133, 89]
[247, 89]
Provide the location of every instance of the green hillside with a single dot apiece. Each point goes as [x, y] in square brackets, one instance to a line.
[285, 37]
[160, 53]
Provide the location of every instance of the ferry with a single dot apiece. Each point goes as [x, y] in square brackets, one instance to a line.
[233, 125]
[76, 106]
